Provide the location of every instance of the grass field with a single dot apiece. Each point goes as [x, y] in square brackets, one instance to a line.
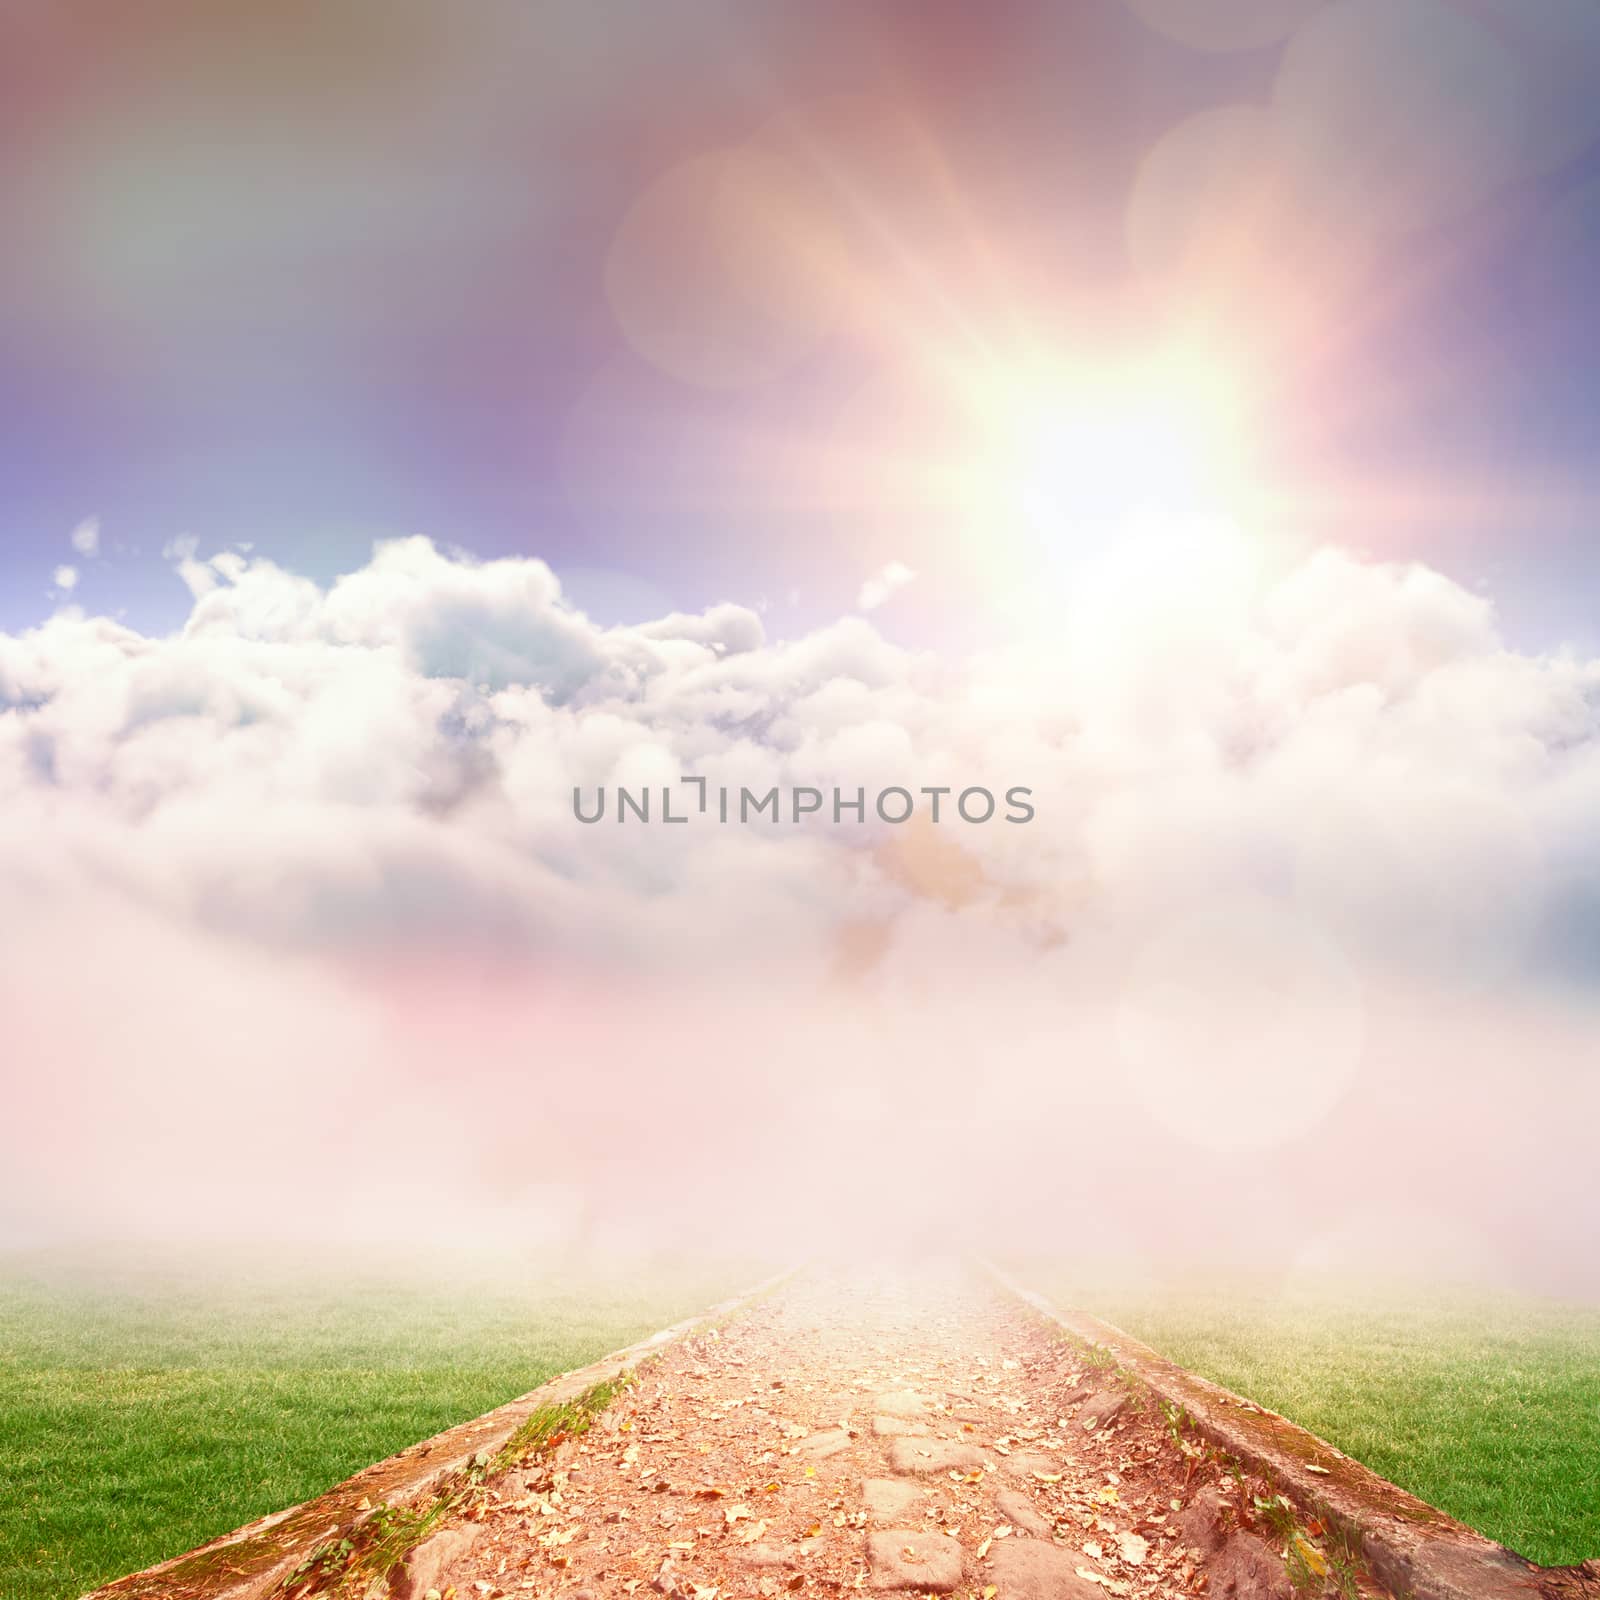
[145, 1409]
[1486, 1406]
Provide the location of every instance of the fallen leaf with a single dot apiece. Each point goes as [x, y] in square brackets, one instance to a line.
[1312, 1557]
[1133, 1549]
[1312, 1467]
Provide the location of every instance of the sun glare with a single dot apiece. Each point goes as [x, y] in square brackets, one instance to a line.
[1082, 457]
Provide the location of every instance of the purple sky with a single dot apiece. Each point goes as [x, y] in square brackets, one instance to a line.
[410, 413]
[310, 274]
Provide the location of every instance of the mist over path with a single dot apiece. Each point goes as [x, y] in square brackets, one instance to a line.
[899, 1430]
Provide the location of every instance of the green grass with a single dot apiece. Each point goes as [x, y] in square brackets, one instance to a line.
[145, 1409]
[1487, 1406]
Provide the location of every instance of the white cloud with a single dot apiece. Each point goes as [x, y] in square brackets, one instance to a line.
[882, 584]
[357, 800]
[86, 538]
[66, 578]
[1358, 728]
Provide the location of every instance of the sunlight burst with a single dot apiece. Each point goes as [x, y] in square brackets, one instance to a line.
[1082, 457]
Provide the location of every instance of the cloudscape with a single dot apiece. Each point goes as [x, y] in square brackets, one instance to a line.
[804, 627]
[800, 796]
[293, 890]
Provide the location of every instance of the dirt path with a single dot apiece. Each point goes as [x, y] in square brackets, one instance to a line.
[920, 1433]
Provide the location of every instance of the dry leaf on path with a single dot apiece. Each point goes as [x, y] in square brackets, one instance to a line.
[1312, 1557]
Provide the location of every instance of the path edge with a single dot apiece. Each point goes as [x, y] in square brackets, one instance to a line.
[1413, 1548]
[251, 1561]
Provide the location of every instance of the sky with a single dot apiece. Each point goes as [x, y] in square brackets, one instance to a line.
[1185, 411]
[311, 274]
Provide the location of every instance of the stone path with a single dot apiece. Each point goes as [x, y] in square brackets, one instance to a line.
[921, 1434]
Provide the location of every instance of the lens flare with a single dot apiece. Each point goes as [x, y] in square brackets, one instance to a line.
[1083, 457]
